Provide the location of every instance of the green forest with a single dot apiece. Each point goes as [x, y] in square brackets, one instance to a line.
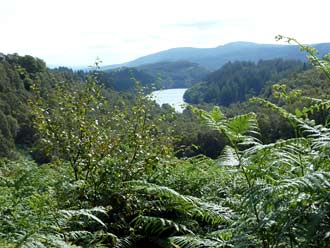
[238, 81]
[86, 161]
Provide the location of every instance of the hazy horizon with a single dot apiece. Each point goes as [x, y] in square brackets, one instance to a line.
[113, 64]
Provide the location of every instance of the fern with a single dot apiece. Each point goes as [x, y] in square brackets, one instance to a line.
[197, 242]
[156, 226]
[316, 104]
[323, 64]
[185, 205]
[242, 129]
[31, 214]
[260, 148]
[316, 182]
[89, 213]
[228, 157]
[128, 242]
[281, 111]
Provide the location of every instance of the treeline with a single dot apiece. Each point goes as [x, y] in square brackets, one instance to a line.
[18, 75]
[124, 79]
[238, 81]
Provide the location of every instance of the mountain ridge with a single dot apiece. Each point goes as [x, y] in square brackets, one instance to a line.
[214, 58]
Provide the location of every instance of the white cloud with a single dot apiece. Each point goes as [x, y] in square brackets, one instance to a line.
[75, 32]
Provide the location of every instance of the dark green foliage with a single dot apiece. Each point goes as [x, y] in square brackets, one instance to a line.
[238, 81]
[69, 75]
[31, 64]
[193, 139]
[123, 79]
[17, 75]
[13, 113]
[8, 131]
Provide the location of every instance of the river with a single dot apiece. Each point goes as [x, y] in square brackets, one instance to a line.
[173, 97]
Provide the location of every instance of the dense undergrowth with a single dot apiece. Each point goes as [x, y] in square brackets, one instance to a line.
[113, 181]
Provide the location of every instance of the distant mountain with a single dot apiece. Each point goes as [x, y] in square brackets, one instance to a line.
[214, 58]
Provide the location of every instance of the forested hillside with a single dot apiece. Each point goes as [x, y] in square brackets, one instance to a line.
[17, 75]
[123, 79]
[238, 81]
[111, 176]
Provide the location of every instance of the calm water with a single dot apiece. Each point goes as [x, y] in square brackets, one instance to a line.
[173, 97]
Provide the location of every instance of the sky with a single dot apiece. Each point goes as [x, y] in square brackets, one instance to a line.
[77, 32]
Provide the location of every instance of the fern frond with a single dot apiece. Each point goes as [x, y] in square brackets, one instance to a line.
[310, 183]
[316, 184]
[228, 157]
[126, 242]
[90, 238]
[59, 243]
[78, 235]
[320, 138]
[240, 130]
[323, 64]
[306, 126]
[216, 114]
[277, 145]
[89, 213]
[244, 130]
[48, 240]
[311, 131]
[156, 226]
[281, 111]
[243, 124]
[213, 119]
[186, 205]
[317, 104]
[197, 242]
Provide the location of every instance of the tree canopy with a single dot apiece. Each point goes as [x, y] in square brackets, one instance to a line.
[238, 81]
